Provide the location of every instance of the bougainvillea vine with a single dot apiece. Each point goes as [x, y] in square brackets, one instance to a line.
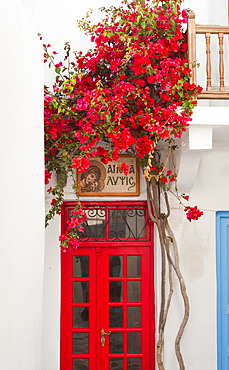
[131, 93]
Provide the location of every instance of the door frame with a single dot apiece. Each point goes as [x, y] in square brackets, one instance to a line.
[96, 244]
[222, 266]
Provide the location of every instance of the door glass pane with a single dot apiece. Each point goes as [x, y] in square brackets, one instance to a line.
[79, 343]
[135, 218]
[134, 342]
[116, 364]
[80, 364]
[133, 291]
[116, 317]
[116, 266]
[134, 317]
[94, 225]
[133, 266]
[116, 291]
[80, 266]
[80, 291]
[127, 223]
[80, 317]
[116, 343]
[134, 364]
[118, 226]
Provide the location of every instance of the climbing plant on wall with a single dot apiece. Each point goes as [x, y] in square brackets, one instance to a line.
[131, 94]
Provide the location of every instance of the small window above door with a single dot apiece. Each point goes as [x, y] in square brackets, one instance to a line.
[115, 222]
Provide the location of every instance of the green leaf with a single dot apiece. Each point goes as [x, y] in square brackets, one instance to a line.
[143, 24]
[108, 118]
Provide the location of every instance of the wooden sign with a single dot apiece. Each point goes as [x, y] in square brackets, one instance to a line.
[108, 180]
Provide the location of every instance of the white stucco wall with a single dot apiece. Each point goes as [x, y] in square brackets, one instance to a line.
[51, 294]
[196, 244]
[22, 191]
[197, 247]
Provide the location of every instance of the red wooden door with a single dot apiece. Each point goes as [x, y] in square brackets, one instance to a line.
[107, 310]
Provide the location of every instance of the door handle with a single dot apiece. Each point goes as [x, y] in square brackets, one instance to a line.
[103, 333]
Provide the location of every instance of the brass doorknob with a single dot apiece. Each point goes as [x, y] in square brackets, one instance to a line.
[103, 333]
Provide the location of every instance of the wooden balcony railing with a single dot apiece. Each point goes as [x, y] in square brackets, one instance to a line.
[209, 92]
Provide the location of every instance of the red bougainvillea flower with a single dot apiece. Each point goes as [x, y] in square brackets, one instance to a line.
[82, 164]
[48, 98]
[63, 237]
[48, 176]
[81, 214]
[68, 243]
[124, 168]
[164, 179]
[53, 202]
[59, 65]
[73, 243]
[193, 213]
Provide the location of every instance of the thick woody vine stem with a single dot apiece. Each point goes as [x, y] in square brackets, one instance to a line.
[169, 263]
[184, 296]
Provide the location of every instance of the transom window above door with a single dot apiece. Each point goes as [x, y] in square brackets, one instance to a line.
[115, 221]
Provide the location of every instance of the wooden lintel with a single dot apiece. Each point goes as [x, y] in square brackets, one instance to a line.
[211, 29]
[213, 95]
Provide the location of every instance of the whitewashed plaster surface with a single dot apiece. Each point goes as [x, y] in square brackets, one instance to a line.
[22, 191]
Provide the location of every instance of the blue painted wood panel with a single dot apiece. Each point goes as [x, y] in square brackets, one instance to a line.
[222, 258]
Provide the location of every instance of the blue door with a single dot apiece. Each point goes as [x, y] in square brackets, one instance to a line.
[222, 257]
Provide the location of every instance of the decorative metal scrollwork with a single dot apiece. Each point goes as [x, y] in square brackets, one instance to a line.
[94, 212]
[115, 223]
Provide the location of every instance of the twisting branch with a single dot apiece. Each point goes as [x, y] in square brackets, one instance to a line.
[169, 264]
[184, 296]
[176, 266]
[154, 203]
